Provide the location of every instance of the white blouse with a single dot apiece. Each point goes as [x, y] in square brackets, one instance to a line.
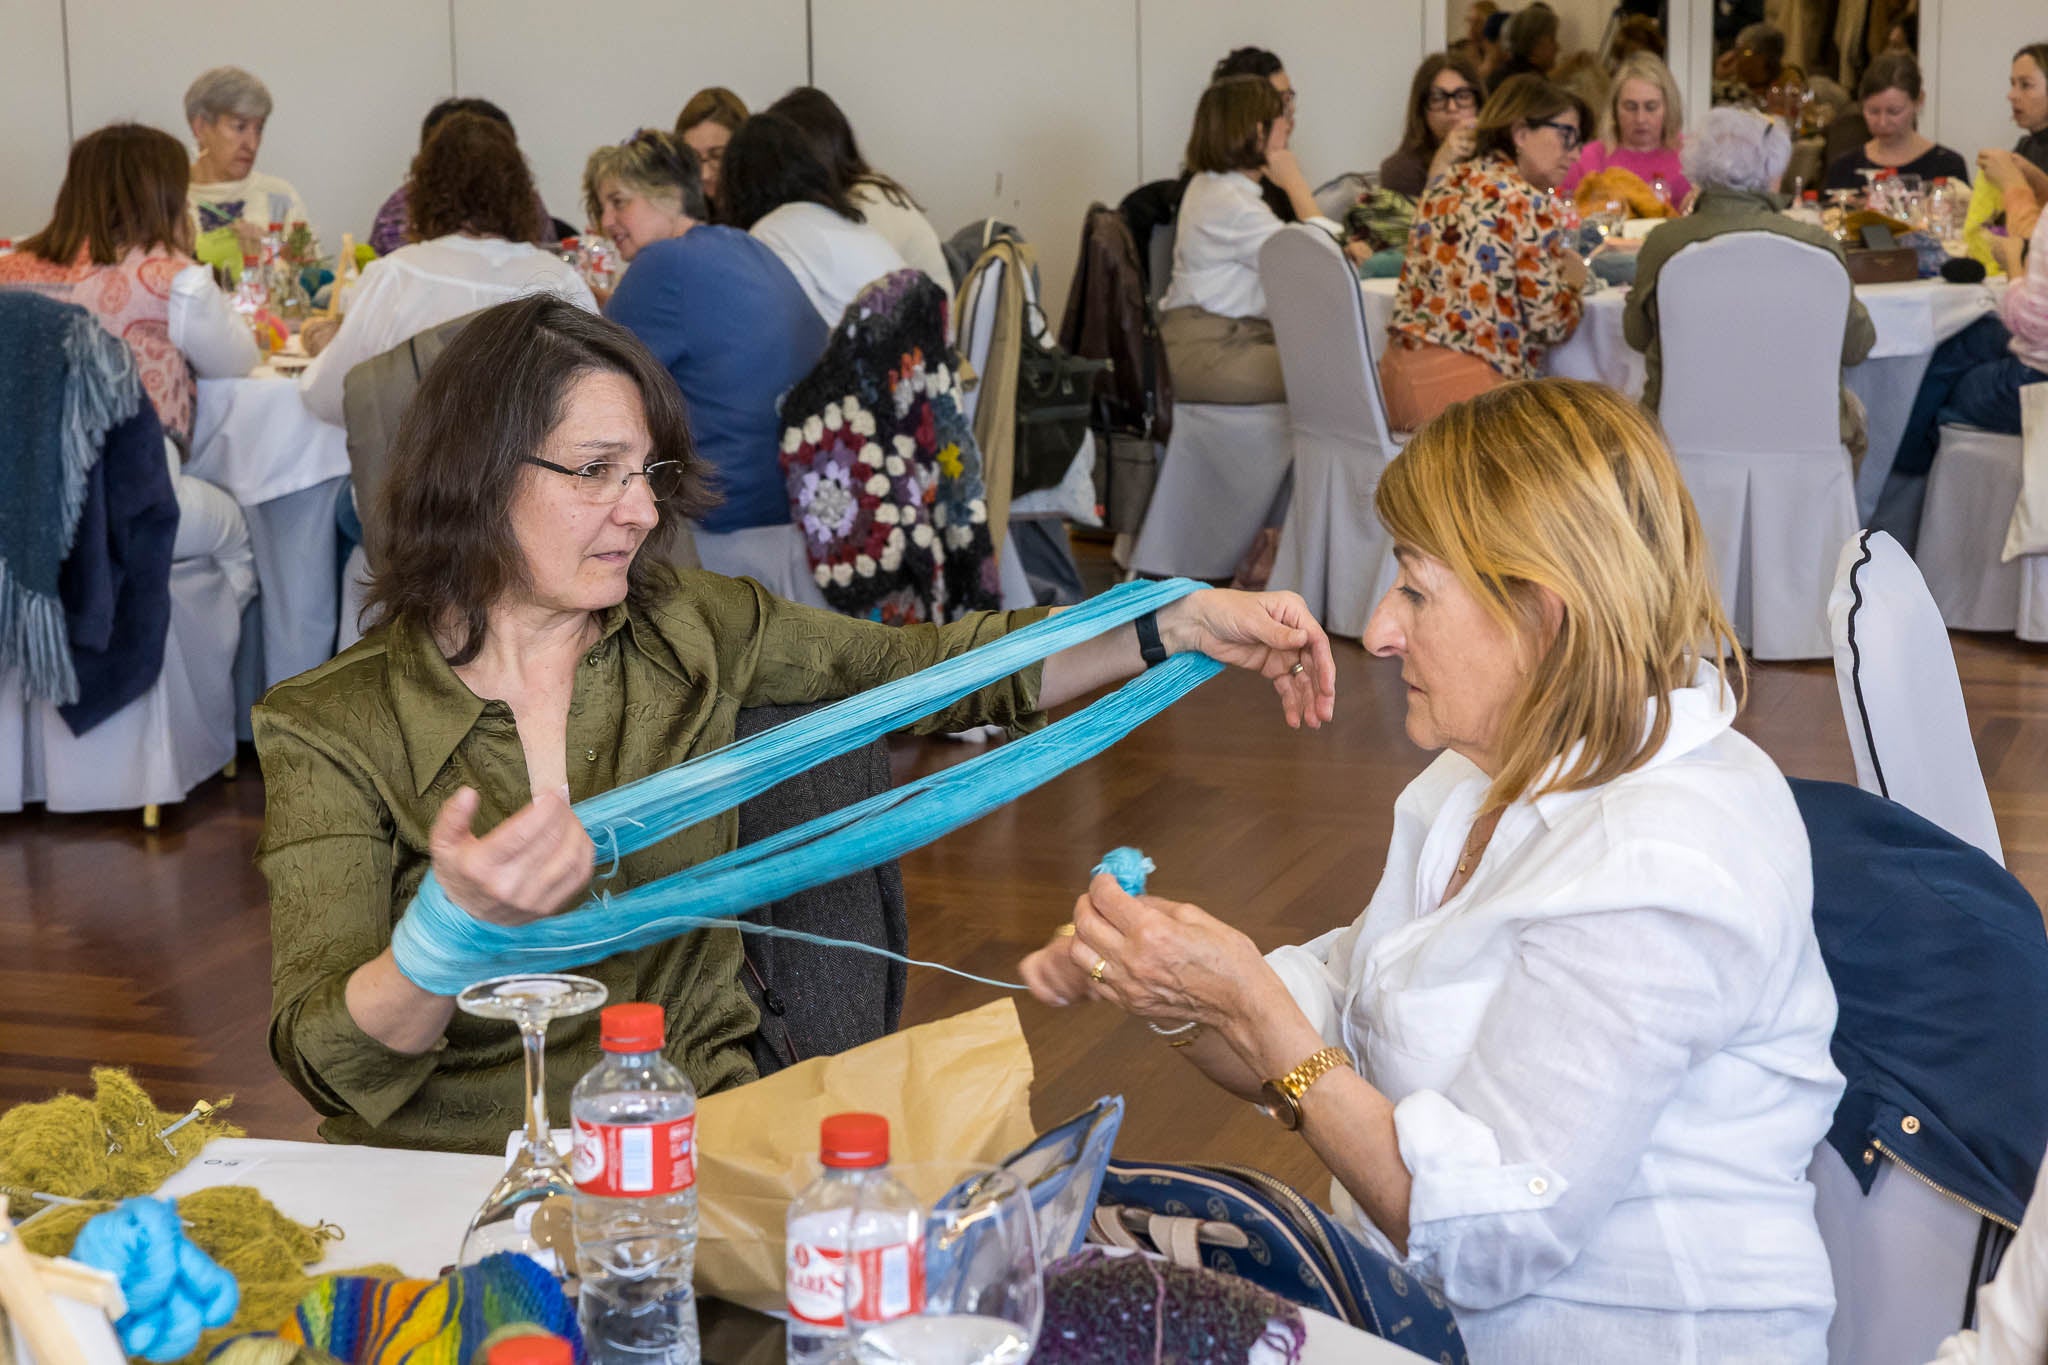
[1222, 224]
[1608, 1054]
[424, 285]
[831, 257]
[904, 227]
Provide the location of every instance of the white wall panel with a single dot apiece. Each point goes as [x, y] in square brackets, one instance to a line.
[574, 80]
[1350, 63]
[350, 78]
[1024, 112]
[1968, 63]
[32, 111]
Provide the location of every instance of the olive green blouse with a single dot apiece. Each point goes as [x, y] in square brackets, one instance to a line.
[359, 754]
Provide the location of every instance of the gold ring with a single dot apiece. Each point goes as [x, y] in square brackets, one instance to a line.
[1095, 972]
[1064, 931]
[1298, 669]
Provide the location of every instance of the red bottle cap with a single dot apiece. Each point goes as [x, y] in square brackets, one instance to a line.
[853, 1141]
[570, 244]
[248, 261]
[635, 1027]
[541, 1348]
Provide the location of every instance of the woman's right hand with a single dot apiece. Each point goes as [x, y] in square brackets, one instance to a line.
[2001, 166]
[250, 236]
[1051, 972]
[532, 865]
[1457, 145]
[1573, 267]
[1284, 170]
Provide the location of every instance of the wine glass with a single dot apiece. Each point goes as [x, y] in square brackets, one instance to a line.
[962, 1284]
[528, 1210]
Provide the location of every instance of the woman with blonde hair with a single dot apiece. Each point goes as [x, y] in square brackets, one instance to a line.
[1640, 128]
[1571, 1062]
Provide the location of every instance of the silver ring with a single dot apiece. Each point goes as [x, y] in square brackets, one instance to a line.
[1297, 670]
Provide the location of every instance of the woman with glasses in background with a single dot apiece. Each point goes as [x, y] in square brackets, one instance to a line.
[1443, 105]
[1490, 280]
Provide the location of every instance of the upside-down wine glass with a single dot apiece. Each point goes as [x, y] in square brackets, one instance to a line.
[528, 1211]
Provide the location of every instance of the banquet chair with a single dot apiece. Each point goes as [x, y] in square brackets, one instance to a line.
[1971, 491]
[154, 750]
[1751, 333]
[1902, 700]
[1333, 550]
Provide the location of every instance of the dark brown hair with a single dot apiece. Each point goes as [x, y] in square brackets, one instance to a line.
[1522, 100]
[771, 162]
[1891, 71]
[824, 123]
[445, 550]
[124, 190]
[469, 176]
[1231, 122]
[712, 104]
[1415, 138]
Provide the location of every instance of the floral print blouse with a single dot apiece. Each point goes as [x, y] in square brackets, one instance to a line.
[131, 299]
[1481, 274]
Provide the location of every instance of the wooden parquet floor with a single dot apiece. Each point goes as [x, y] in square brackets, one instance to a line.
[151, 951]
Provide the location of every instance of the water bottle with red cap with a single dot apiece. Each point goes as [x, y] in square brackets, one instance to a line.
[855, 1211]
[635, 1168]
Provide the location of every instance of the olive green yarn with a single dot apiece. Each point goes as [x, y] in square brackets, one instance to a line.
[103, 1148]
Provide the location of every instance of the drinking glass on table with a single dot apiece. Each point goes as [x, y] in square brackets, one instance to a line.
[529, 1211]
[957, 1281]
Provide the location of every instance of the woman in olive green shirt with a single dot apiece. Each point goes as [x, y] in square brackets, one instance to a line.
[532, 652]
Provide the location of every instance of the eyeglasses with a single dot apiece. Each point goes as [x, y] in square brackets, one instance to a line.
[605, 482]
[1567, 133]
[1464, 97]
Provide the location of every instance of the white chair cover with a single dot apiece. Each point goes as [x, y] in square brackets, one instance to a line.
[1751, 335]
[158, 747]
[773, 556]
[1902, 1258]
[355, 589]
[1333, 550]
[1971, 491]
[1901, 697]
[1222, 480]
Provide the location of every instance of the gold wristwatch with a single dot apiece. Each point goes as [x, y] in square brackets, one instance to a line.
[1283, 1097]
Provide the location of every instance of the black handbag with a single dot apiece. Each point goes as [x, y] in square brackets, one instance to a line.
[1055, 392]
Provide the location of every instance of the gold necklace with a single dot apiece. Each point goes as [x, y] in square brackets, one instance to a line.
[1466, 855]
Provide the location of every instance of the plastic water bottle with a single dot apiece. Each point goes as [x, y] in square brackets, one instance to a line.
[635, 1168]
[824, 1234]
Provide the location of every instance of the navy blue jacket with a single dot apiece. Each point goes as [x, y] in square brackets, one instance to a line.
[1940, 963]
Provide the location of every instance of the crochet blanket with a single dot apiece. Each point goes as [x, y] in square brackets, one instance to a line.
[883, 473]
[64, 383]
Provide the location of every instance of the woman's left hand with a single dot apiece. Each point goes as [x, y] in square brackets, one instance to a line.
[1998, 164]
[1270, 633]
[1161, 959]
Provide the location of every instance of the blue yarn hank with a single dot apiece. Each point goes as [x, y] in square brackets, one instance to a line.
[1129, 867]
[174, 1290]
[443, 949]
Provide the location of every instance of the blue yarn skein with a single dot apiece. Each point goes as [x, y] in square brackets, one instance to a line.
[1130, 868]
[174, 1290]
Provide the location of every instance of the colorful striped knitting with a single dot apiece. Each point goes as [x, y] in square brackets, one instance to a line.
[364, 1321]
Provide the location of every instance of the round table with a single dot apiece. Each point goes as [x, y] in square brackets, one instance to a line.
[1911, 319]
[254, 438]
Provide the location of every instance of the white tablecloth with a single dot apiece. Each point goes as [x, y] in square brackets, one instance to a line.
[410, 1209]
[1911, 319]
[254, 438]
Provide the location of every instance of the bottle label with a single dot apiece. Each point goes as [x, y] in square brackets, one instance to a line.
[626, 1159]
[888, 1283]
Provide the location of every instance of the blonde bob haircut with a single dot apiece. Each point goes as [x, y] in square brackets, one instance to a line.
[1563, 485]
[1648, 68]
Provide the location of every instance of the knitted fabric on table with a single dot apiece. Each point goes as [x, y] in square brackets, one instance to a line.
[361, 1320]
[884, 477]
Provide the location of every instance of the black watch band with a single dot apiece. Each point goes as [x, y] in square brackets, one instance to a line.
[1150, 647]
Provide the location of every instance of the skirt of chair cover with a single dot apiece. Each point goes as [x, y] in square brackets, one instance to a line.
[1223, 479]
[1970, 495]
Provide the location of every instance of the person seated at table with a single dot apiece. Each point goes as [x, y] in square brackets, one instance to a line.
[1471, 45]
[387, 232]
[1974, 378]
[1640, 131]
[1572, 1060]
[884, 204]
[1635, 33]
[228, 109]
[1212, 317]
[721, 312]
[1754, 72]
[777, 189]
[2027, 96]
[529, 649]
[1529, 43]
[1443, 104]
[1265, 64]
[1892, 98]
[1490, 280]
[1736, 157]
[119, 245]
[470, 216]
[708, 120]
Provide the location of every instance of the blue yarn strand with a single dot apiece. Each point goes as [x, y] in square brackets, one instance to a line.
[443, 949]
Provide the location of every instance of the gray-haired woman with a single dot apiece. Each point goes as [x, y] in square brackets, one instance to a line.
[227, 109]
[1735, 158]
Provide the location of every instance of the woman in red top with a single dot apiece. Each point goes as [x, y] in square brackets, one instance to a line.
[1490, 281]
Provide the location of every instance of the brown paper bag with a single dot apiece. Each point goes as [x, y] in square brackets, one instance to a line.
[957, 1089]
